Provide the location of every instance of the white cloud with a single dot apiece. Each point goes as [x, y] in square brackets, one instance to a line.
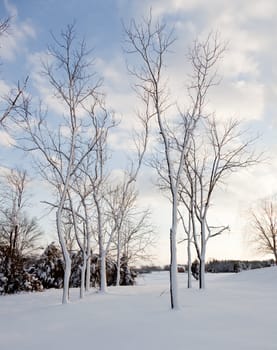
[248, 9]
[120, 140]
[240, 99]
[4, 88]
[111, 71]
[12, 10]
[15, 40]
[4, 171]
[43, 89]
[6, 140]
[257, 9]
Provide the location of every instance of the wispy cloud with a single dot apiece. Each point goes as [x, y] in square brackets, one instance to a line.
[15, 41]
[6, 140]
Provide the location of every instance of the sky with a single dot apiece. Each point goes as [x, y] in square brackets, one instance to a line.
[248, 90]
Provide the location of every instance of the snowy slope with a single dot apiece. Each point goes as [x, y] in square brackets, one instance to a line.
[235, 312]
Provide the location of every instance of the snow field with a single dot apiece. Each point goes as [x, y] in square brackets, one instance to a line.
[236, 311]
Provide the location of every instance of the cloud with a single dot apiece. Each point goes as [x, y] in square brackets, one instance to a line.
[15, 40]
[11, 9]
[242, 11]
[246, 27]
[4, 171]
[44, 90]
[240, 99]
[117, 87]
[6, 140]
[4, 88]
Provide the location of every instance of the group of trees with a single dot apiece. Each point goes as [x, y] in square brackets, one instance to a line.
[72, 156]
[217, 266]
[195, 151]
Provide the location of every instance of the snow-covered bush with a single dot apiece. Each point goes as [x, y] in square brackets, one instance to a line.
[127, 276]
[48, 268]
[13, 276]
[19, 273]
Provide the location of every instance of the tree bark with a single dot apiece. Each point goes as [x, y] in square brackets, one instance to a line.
[189, 261]
[173, 259]
[103, 276]
[66, 256]
[118, 262]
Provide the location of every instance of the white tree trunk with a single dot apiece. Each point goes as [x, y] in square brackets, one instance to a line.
[102, 251]
[66, 256]
[202, 273]
[103, 277]
[189, 261]
[83, 273]
[88, 249]
[173, 257]
[67, 273]
[203, 256]
[87, 255]
[118, 262]
[88, 272]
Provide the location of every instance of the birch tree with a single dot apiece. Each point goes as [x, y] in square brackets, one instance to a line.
[61, 145]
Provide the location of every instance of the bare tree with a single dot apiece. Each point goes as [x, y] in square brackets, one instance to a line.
[95, 179]
[122, 197]
[151, 42]
[18, 232]
[60, 148]
[187, 227]
[99, 188]
[134, 235]
[119, 200]
[78, 222]
[12, 102]
[263, 227]
[84, 192]
[81, 212]
[138, 237]
[221, 150]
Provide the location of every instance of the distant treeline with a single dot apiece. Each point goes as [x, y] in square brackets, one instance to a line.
[215, 266]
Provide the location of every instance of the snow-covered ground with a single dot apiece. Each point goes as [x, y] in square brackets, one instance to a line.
[236, 311]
